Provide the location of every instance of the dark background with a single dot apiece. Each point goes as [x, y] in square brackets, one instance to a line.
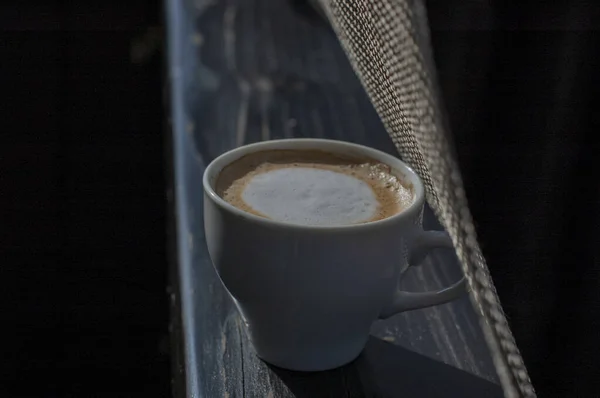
[520, 83]
[83, 258]
[83, 261]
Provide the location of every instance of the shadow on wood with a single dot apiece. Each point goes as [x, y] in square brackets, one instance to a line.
[387, 370]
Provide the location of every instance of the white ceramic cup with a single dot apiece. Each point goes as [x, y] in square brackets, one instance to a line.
[309, 294]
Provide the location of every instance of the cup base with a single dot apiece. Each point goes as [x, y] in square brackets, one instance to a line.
[314, 364]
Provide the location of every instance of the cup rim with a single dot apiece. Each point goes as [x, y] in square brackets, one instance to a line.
[216, 165]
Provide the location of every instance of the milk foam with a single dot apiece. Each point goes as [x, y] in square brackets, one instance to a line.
[312, 187]
[310, 196]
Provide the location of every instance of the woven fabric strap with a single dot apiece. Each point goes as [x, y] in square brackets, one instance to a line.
[387, 42]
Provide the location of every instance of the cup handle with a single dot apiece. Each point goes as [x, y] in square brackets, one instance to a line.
[406, 301]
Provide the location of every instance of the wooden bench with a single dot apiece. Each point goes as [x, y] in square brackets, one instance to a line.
[241, 71]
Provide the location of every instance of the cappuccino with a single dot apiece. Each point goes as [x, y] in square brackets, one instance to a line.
[312, 187]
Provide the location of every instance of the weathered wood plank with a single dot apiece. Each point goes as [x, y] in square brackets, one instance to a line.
[249, 70]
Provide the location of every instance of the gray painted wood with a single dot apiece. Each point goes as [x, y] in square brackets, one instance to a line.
[241, 71]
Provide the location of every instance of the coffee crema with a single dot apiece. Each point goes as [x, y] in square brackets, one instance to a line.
[313, 187]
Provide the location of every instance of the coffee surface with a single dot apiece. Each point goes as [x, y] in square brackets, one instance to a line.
[313, 187]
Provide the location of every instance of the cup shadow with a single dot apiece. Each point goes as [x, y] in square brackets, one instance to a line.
[385, 370]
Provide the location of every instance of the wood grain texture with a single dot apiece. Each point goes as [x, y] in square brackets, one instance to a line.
[242, 71]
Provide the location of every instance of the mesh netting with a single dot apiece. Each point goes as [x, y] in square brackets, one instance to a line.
[387, 43]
